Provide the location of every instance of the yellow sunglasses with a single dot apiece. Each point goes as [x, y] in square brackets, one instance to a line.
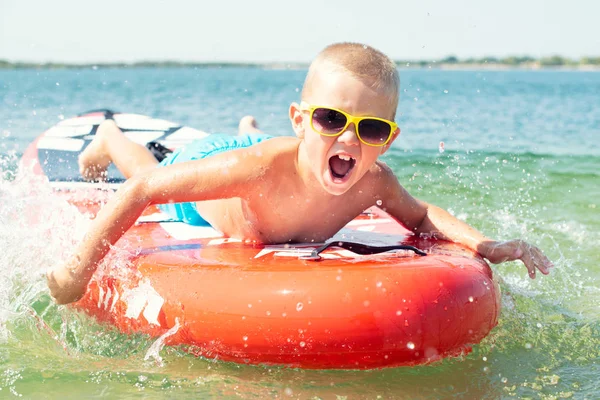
[329, 121]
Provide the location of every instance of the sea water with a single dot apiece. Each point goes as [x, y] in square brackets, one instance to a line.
[514, 153]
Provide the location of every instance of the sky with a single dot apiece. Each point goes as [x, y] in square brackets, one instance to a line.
[82, 31]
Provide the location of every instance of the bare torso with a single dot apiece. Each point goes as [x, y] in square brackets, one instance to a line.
[301, 213]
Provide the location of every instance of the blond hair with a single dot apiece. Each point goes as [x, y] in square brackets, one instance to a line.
[363, 62]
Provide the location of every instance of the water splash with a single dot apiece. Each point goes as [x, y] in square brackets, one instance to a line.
[157, 346]
[37, 230]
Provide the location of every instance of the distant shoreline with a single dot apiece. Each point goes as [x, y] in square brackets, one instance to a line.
[448, 63]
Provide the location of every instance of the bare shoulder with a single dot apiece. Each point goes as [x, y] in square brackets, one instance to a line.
[277, 151]
[381, 176]
[384, 185]
[376, 185]
[263, 155]
[279, 145]
[383, 170]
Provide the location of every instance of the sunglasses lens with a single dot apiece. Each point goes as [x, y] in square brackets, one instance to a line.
[373, 131]
[328, 121]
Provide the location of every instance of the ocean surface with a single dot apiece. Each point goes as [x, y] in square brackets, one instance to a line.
[521, 159]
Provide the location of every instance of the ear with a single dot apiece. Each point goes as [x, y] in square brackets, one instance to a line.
[389, 144]
[297, 120]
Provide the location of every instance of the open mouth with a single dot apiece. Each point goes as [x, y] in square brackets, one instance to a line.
[340, 165]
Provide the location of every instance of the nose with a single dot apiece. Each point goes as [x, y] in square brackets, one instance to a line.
[349, 137]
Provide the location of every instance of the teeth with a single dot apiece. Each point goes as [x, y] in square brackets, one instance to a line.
[344, 157]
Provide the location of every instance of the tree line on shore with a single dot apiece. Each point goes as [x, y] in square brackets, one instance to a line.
[515, 61]
[510, 61]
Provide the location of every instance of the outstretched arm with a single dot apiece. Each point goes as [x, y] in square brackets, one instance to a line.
[68, 282]
[221, 176]
[421, 217]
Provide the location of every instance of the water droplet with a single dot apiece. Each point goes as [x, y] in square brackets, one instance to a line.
[299, 307]
[379, 284]
[249, 305]
[268, 313]
[470, 299]
[302, 344]
[288, 391]
[539, 325]
[528, 345]
[484, 358]
[446, 91]
[398, 312]
[245, 338]
[57, 84]
[504, 380]
[410, 345]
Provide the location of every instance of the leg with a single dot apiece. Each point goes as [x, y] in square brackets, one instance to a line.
[111, 145]
[248, 125]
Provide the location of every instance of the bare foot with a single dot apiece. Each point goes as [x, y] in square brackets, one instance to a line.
[94, 160]
[248, 124]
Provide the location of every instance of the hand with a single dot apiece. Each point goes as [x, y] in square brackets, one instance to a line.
[531, 256]
[64, 284]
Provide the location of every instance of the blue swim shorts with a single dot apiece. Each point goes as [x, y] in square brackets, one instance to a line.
[199, 149]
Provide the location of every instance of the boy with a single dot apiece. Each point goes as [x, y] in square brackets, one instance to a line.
[262, 189]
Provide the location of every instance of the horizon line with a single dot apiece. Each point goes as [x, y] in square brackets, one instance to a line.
[547, 61]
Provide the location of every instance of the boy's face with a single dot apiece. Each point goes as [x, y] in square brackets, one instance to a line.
[341, 161]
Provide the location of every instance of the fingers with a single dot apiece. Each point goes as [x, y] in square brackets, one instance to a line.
[529, 263]
[534, 259]
[531, 256]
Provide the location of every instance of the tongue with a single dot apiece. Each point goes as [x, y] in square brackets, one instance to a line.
[339, 168]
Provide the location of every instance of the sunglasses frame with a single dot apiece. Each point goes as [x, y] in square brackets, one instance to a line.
[349, 119]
